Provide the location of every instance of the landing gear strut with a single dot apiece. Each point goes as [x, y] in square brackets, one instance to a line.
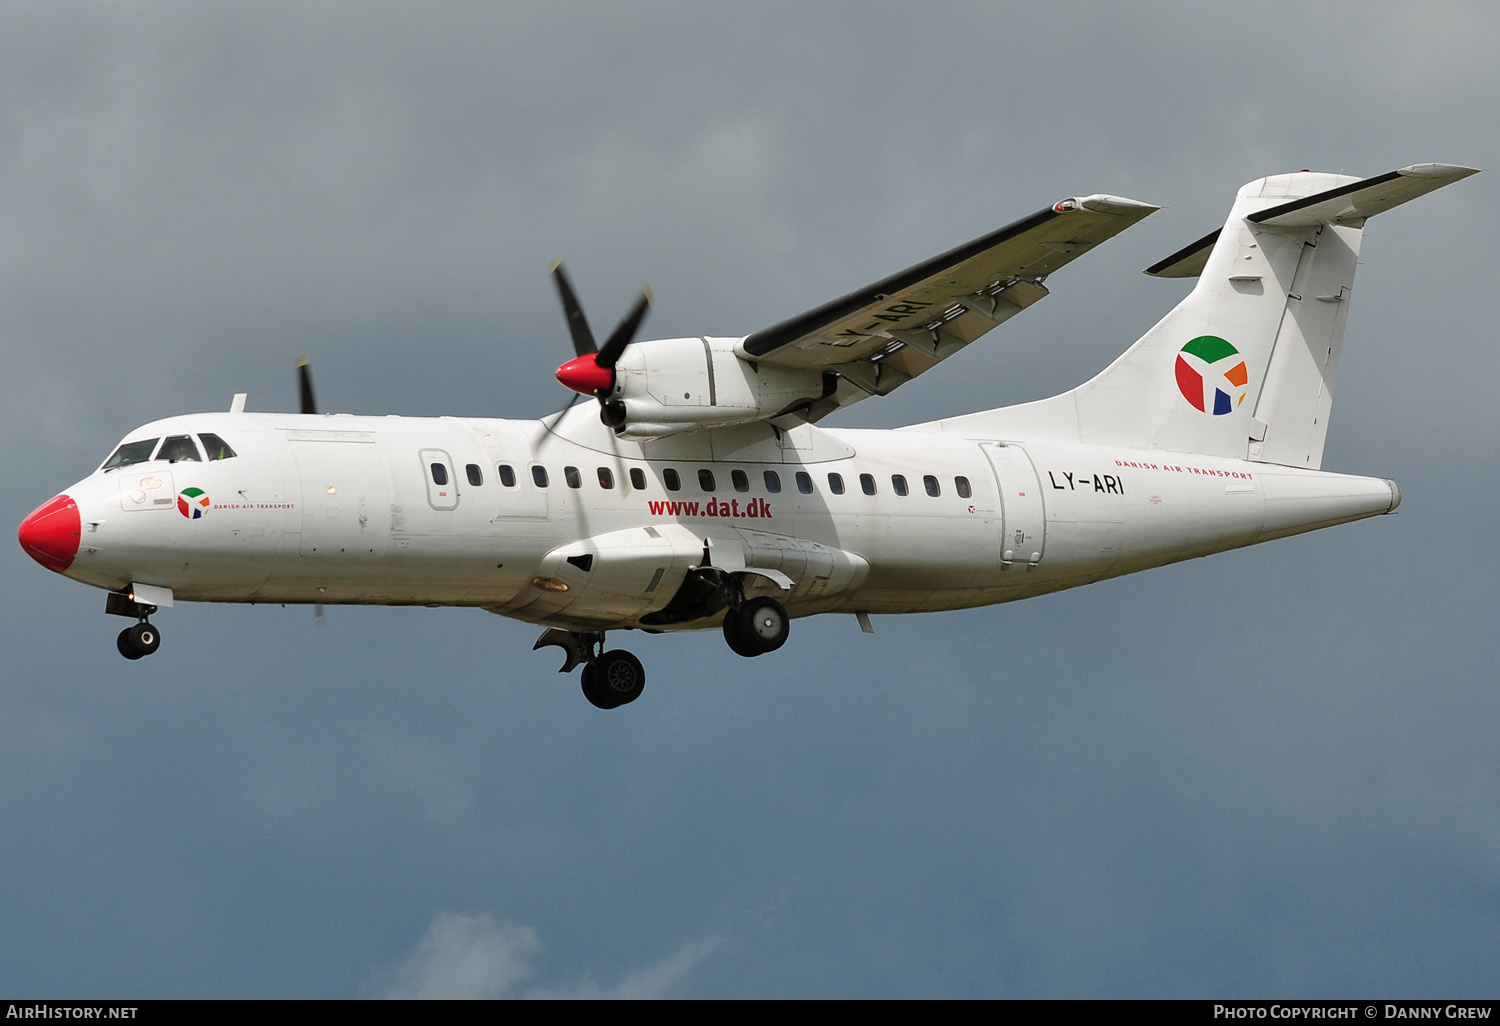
[609, 679]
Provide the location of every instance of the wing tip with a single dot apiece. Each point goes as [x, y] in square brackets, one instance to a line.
[1104, 203]
[1447, 172]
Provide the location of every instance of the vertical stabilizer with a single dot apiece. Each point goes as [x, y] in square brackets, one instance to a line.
[1245, 366]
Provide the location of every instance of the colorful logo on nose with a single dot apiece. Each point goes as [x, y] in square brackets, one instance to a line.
[192, 503]
[1211, 375]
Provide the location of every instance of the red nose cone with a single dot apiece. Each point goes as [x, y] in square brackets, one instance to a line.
[50, 535]
[583, 374]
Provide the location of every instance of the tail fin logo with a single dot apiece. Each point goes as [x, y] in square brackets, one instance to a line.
[1211, 375]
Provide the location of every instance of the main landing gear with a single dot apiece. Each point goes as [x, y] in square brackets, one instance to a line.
[758, 626]
[141, 639]
[609, 679]
[615, 678]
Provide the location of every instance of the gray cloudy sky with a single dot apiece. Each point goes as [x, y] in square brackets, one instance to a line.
[1268, 773]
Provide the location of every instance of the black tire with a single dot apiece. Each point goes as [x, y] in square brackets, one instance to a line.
[763, 624]
[619, 677]
[126, 646]
[734, 638]
[144, 637]
[597, 698]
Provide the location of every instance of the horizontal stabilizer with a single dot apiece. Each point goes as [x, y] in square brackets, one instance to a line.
[1348, 204]
[1188, 261]
[1354, 202]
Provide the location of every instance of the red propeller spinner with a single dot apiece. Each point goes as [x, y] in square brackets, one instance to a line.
[592, 371]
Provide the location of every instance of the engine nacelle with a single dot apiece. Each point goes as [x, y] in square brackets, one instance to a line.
[671, 385]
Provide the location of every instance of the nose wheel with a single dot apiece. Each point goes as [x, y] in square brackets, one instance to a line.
[140, 640]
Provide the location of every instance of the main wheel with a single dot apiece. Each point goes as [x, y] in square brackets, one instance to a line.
[597, 698]
[763, 625]
[619, 677]
[734, 637]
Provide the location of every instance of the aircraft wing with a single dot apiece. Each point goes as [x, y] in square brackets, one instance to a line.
[887, 333]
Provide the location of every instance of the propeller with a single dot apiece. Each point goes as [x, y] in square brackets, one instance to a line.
[592, 371]
[309, 405]
[304, 386]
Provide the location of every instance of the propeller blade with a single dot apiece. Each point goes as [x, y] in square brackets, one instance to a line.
[625, 333]
[578, 324]
[304, 386]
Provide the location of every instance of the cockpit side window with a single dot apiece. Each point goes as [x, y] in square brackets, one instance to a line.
[130, 452]
[178, 449]
[216, 447]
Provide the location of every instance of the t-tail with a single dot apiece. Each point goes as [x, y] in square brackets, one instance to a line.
[1245, 366]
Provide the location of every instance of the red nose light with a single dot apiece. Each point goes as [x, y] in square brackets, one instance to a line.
[583, 374]
[50, 534]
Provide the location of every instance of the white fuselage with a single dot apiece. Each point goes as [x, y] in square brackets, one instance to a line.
[392, 510]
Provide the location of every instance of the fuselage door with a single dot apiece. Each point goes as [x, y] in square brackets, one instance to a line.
[345, 495]
[442, 485]
[1023, 530]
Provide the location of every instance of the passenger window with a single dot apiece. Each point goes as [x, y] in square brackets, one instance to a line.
[130, 452]
[215, 447]
[836, 484]
[507, 475]
[539, 475]
[439, 474]
[572, 477]
[867, 483]
[931, 484]
[671, 480]
[804, 482]
[773, 481]
[179, 449]
[476, 476]
[962, 484]
[706, 480]
[638, 479]
[898, 484]
[740, 480]
[606, 478]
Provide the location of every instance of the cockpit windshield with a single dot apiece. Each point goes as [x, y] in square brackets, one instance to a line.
[215, 446]
[131, 452]
[179, 448]
[175, 449]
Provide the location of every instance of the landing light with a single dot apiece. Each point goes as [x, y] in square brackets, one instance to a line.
[549, 584]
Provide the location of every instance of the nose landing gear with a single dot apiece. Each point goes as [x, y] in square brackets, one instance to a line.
[141, 639]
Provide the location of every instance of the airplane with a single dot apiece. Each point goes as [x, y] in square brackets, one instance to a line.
[699, 491]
